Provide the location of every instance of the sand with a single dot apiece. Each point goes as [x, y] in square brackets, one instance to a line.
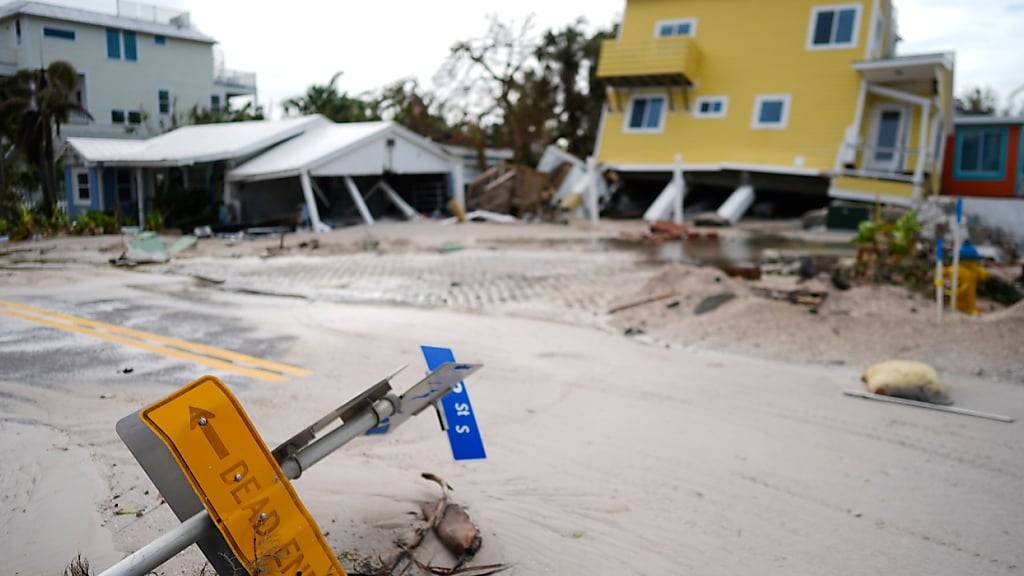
[675, 451]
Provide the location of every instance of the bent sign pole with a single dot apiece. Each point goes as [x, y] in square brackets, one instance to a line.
[241, 489]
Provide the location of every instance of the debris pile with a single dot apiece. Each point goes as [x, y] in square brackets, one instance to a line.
[513, 189]
[148, 248]
[662, 231]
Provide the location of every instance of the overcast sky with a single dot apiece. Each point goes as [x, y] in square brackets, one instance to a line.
[292, 44]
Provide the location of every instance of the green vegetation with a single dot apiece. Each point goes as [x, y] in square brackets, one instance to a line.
[32, 222]
[34, 103]
[508, 88]
[889, 251]
[154, 221]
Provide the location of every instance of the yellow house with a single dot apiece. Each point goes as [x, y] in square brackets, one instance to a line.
[784, 94]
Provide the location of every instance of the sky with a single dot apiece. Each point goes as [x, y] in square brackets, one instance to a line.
[293, 44]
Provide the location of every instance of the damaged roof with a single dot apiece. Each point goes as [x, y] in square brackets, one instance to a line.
[320, 149]
[194, 144]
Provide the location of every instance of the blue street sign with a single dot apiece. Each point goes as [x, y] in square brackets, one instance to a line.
[463, 433]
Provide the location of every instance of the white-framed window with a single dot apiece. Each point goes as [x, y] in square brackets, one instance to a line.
[711, 107]
[833, 27]
[771, 112]
[82, 190]
[646, 113]
[675, 27]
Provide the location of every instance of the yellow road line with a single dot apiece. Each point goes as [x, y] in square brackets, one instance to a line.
[142, 345]
[173, 342]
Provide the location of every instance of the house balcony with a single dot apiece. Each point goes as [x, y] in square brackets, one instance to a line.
[235, 82]
[667, 61]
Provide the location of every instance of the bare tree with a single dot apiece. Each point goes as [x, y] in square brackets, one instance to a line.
[495, 80]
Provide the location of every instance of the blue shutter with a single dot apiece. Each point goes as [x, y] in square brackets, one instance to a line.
[130, 52]
[654, 113]
[844, 29]
[636, 117]
[113, 44]
[823, 28]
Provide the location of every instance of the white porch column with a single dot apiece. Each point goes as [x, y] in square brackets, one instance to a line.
[314, 212]
[852, 138]
[459, 183]
[99, 186]
[592, 204]
[231, 201]
[140, 192]
[922, 151]
[680, 184]
[357, 198]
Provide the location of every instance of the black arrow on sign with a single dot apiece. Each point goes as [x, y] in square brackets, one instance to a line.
[203, 419]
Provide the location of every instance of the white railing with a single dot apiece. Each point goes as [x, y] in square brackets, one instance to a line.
[152, 13]
[902, 158]
[229, 77]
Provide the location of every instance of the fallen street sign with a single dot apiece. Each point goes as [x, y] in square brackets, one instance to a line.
[248, 497]
[458, 418]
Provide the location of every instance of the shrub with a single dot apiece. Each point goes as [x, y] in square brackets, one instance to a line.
[92, 223]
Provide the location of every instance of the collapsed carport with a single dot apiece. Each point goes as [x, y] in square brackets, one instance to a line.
[337, 173]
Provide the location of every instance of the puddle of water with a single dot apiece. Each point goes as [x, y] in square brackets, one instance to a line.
[741, 250]
[737, 249]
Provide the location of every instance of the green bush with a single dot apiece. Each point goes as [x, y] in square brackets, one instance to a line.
[93, 223]
[154, 221]
[29, 222]
[889, 251]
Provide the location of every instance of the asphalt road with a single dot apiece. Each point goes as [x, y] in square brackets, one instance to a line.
[607, 456]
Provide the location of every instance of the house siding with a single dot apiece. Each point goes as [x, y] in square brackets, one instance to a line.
[748, 48]
[953, 184]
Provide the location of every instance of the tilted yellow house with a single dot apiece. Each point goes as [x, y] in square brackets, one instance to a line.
[781, 93]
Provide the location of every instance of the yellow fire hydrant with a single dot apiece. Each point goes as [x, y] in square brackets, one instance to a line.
[971, 274]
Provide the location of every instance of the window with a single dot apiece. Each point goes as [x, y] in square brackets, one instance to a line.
[711, 107]
[981, 153]
[771, 112]
[834, 27]
[130, 49]
[17, 30]
[164, 98]
[215, 103]
[122, 43]
[83, 194]
[113, 44]
[62, 33]
[680, 27]
[117, 116]
[646, 114]
[135, 117]
[160, 40]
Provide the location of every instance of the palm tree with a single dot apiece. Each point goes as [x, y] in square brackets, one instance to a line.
[325, 99]
[38, 102]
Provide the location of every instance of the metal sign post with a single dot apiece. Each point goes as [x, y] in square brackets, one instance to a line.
[232, 493]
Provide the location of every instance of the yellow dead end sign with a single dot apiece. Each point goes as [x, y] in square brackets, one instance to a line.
[242, 487]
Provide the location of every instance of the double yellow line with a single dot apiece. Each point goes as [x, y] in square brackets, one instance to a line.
[217, 358]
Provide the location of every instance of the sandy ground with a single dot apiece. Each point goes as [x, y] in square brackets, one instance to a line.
[678, 450]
